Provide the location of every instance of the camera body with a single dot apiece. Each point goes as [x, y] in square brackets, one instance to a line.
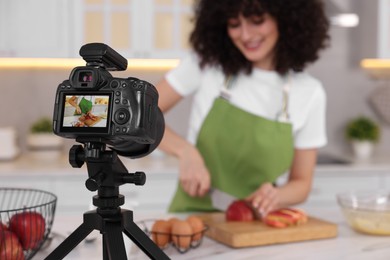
[94, 105]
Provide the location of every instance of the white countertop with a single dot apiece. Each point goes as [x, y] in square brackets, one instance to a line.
[348, 245]
[163, 164]
[32, 165]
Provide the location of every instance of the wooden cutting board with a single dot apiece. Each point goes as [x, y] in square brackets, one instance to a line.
[256, 233]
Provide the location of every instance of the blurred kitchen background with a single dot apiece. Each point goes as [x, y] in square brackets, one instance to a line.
[158, 29]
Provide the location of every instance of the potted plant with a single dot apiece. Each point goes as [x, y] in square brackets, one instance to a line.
[363, 133]
[42, 142]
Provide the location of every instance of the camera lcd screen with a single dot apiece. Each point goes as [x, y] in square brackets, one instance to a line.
[84, 112]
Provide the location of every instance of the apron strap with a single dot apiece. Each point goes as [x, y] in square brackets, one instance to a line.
[225, 91]
[282, 115]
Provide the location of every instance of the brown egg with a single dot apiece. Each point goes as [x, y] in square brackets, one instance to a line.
[181, 234]
[161, 233]
[173, 220]
[197, 226]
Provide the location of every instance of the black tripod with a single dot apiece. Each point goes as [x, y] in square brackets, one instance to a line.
[106, 173]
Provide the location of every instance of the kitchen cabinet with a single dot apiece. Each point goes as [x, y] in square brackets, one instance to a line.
[328, 183]
[371, 39]
[35, 28]
[68, 183]
[139, 28]
[72, 196]
[162, 177]
[135, 28]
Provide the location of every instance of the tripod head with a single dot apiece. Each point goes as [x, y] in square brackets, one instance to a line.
[106, 172]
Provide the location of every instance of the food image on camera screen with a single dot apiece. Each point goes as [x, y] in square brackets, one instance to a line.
[86, 110]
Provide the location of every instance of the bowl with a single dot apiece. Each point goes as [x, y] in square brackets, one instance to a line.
[366, 211]
[26, 218]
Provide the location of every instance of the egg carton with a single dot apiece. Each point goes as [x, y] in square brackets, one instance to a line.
[182, 243]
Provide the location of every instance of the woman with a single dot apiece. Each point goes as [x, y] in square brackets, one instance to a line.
[83, 106]
[256, 114]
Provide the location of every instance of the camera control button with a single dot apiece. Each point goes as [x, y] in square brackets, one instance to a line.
[117, 129]
[114, 84]
[124, 129]
[125, 101]
[118, 93]
[122, 116]
[117, 101]
[124, 84]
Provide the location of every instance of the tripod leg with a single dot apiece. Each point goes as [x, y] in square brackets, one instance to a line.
[141, 239]
[113, 242]
[70, 242]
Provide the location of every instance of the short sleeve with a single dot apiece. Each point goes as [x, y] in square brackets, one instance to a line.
[313, 132]
[185, 78]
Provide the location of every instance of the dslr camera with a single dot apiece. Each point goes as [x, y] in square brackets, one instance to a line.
[94, 106]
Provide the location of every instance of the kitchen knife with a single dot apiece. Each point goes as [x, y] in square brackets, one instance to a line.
[220, 199]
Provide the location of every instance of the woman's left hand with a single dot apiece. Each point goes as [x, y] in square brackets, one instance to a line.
[265, 199]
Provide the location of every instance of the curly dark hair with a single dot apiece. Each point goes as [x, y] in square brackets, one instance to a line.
[302, 24]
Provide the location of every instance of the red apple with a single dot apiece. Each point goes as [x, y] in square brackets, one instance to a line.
[10, 248]
[278, 219]
[239, 210]
[274, 222]
[299, 216]
[3, 227]
[29, 227]
[285, 217]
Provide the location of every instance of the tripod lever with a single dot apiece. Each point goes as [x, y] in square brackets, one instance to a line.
[138, 178]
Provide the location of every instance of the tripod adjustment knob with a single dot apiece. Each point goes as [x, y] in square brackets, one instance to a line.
[94, 182]
[138, 178]
[76, 156]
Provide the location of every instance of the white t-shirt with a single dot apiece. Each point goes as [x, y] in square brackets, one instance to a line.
[260, 93]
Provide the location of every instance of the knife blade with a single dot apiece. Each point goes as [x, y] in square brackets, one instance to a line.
[220, 199]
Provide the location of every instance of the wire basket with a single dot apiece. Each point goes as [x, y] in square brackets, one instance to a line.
[193, 241]
[26, 219]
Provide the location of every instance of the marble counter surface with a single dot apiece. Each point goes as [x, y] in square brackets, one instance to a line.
[348, 245]
[28, 164]
[160, 163]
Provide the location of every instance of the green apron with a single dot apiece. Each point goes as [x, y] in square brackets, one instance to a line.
[241, 151]
[85, 106]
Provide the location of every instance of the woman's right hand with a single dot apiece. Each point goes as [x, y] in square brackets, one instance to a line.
[194, 176]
